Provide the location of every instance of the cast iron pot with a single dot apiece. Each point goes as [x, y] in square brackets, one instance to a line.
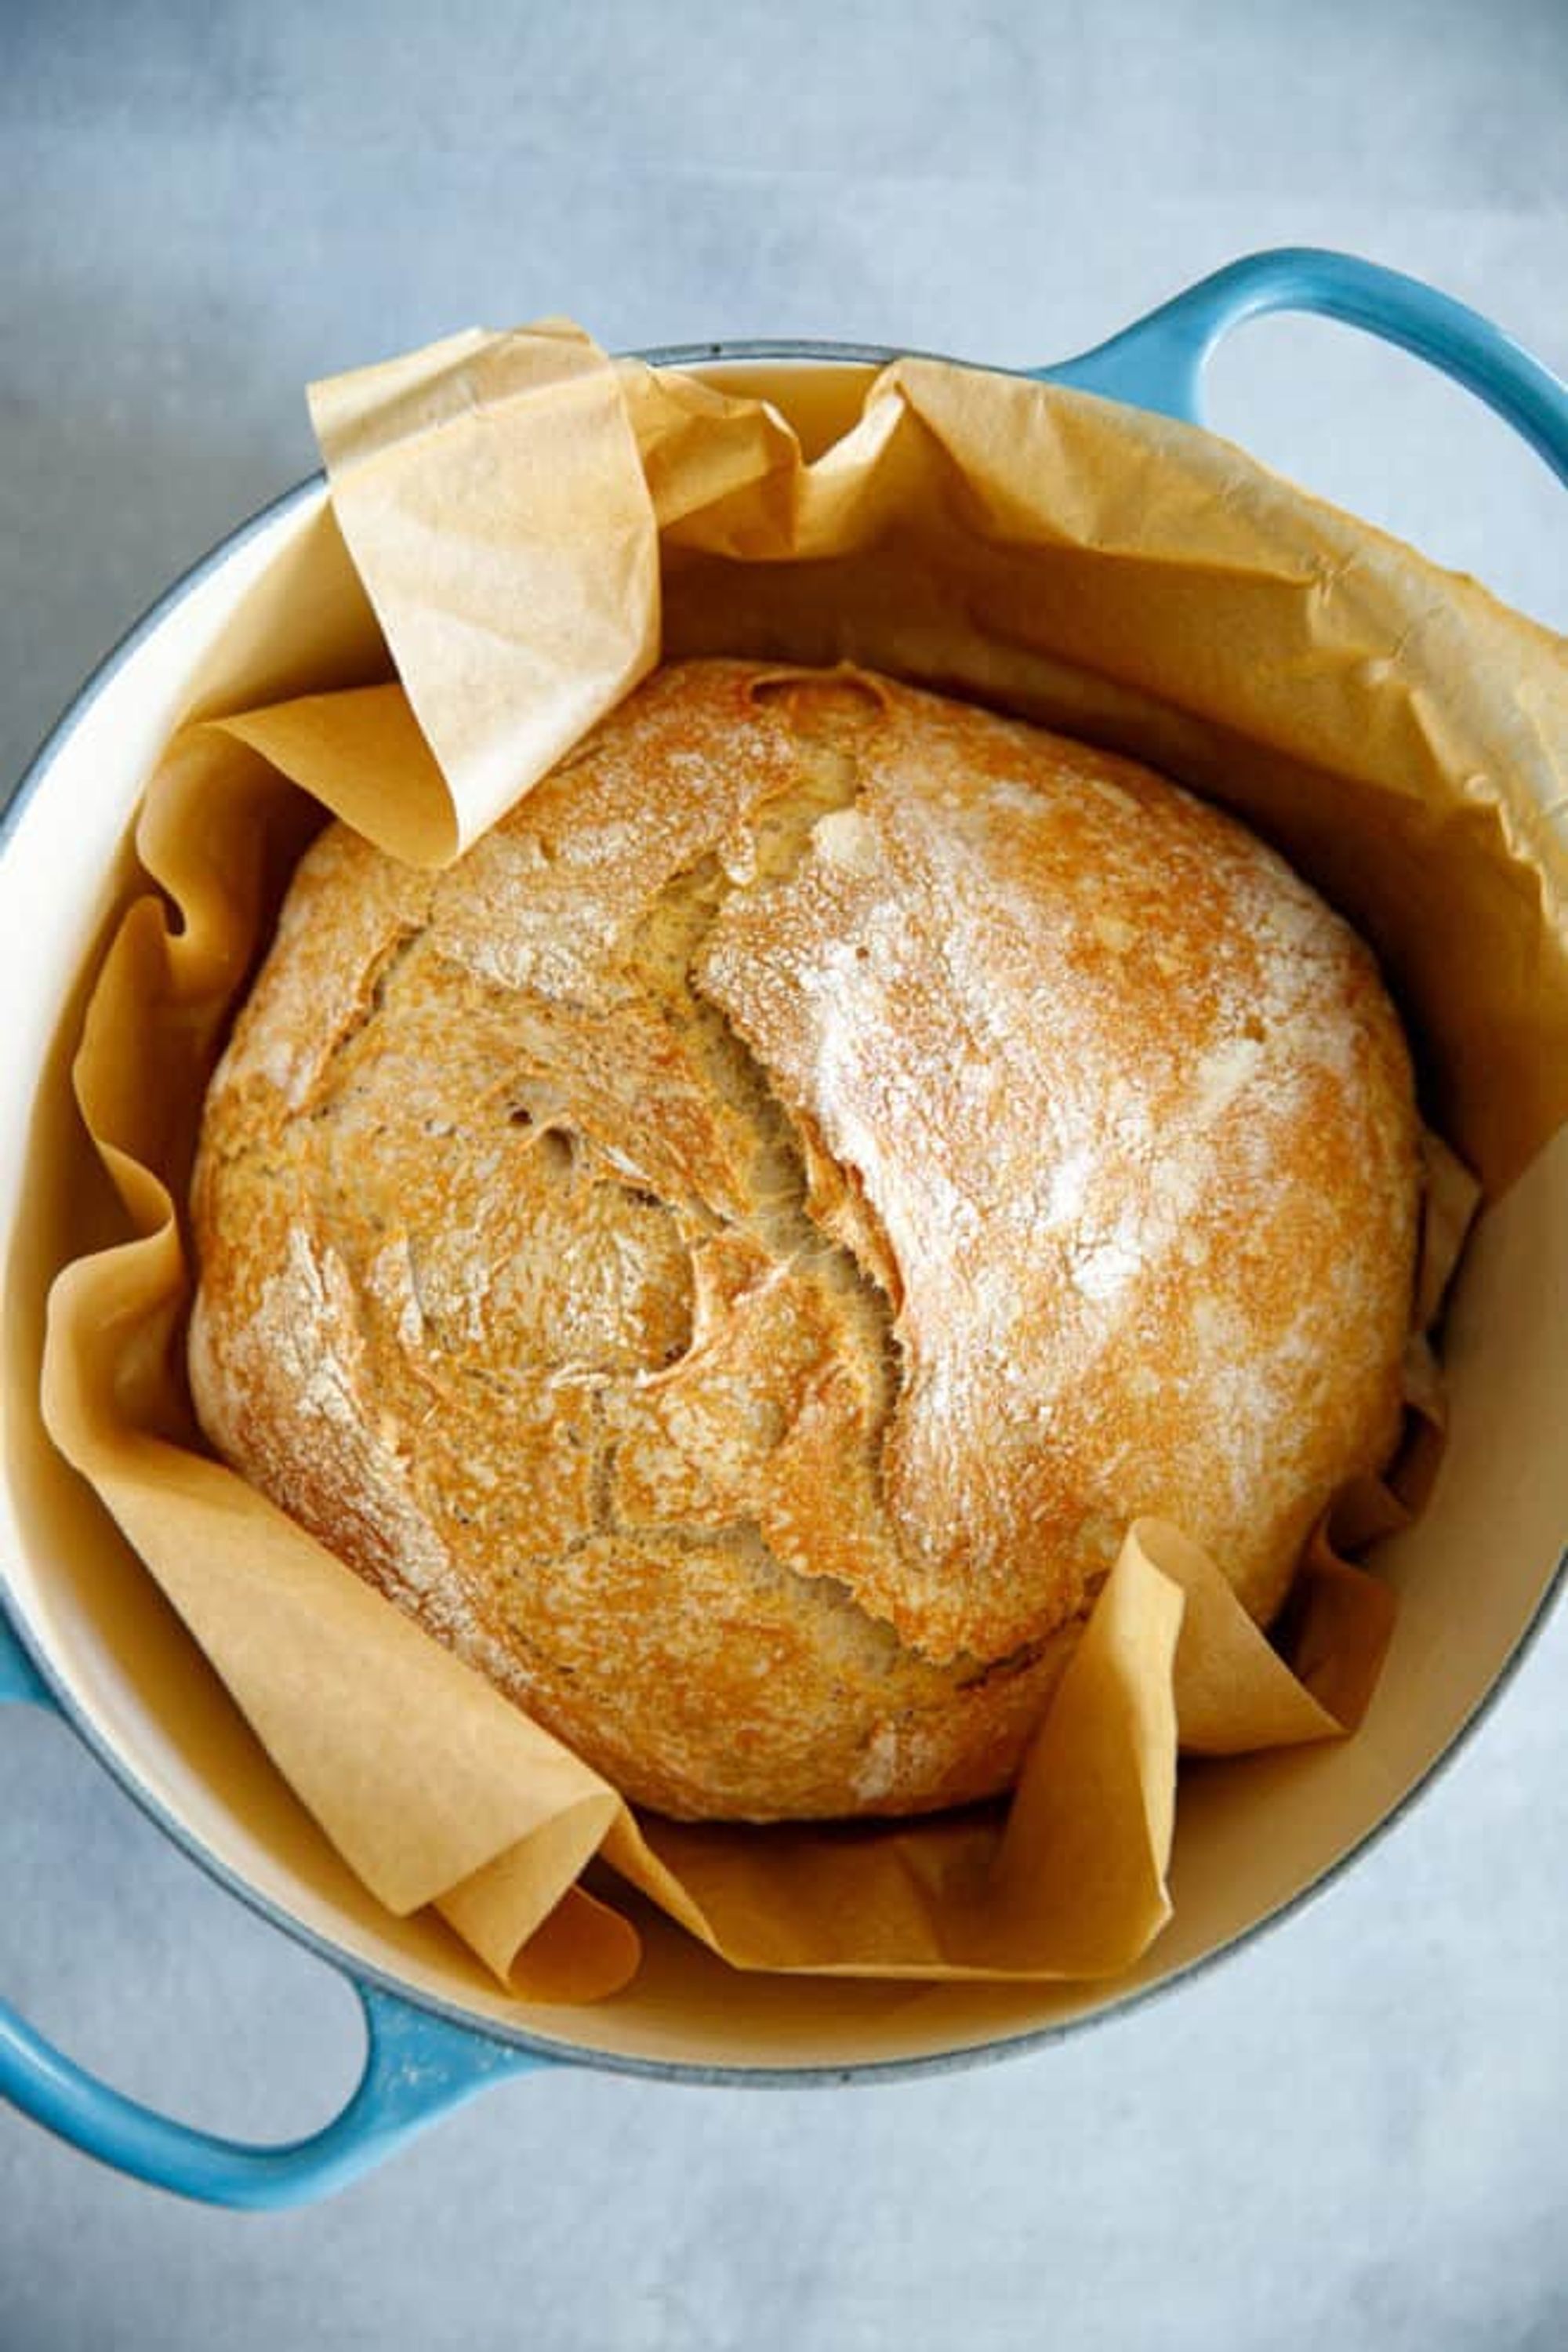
[87, 1635]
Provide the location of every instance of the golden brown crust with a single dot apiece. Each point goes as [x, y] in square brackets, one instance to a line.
[732, 1253]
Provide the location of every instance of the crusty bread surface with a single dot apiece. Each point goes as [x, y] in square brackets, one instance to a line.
[732, 1253]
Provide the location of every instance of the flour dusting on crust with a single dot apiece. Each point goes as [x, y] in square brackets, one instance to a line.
[732, 1253]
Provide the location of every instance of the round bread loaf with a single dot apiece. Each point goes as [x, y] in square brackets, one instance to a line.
[731, 1254]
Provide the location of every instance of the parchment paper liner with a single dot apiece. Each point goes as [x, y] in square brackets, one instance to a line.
[513, 505]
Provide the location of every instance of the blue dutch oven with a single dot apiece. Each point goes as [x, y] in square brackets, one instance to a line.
[82, 1632]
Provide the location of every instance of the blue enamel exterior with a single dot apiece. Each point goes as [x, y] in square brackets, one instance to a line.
[1158, 364]
[417, 2067]
[18, 1676]
[418, 2064]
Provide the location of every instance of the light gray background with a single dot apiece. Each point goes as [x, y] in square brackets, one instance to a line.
[1357, 2131]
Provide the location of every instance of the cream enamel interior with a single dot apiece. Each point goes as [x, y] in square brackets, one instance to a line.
[283, 610]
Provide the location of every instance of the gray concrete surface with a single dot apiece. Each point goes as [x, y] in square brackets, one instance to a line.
[1355, 2133]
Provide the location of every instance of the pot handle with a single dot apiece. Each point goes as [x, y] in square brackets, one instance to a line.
[1158, 363]
[417, 2067]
